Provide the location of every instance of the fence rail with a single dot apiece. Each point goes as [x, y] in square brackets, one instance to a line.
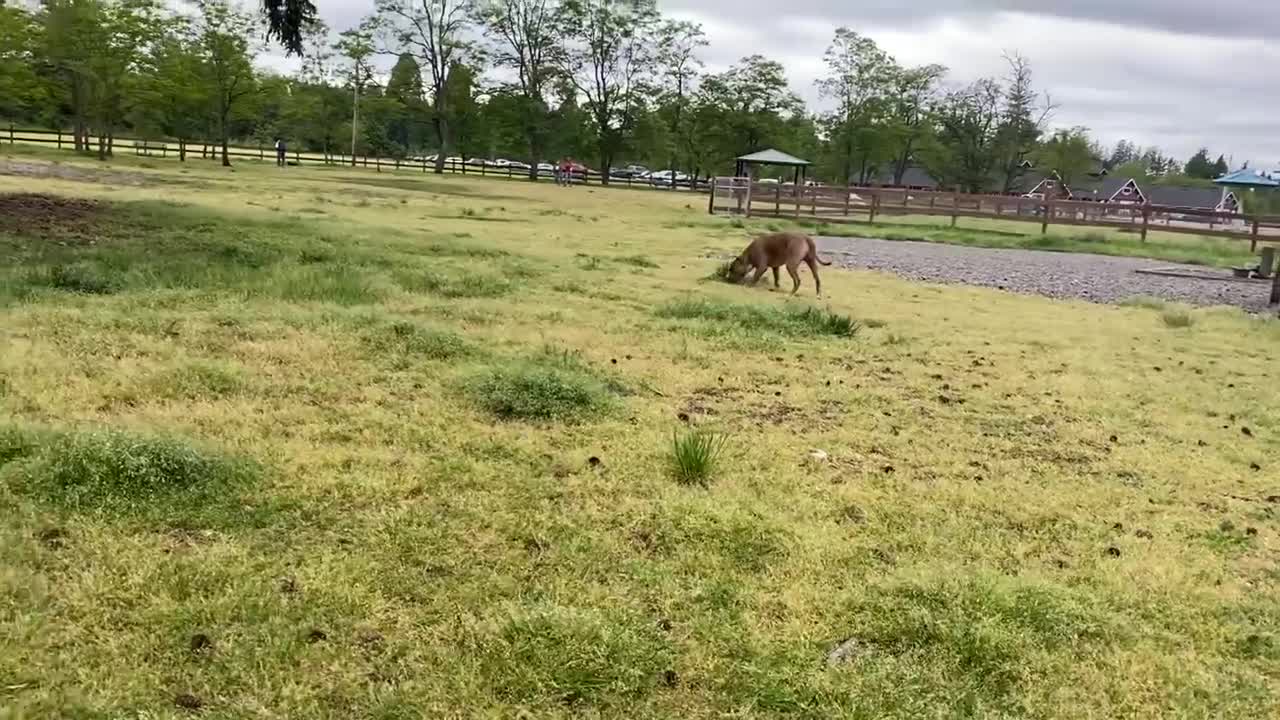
[183, 149]
[865, 204]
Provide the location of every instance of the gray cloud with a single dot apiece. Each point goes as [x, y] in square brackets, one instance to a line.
[1164, 72]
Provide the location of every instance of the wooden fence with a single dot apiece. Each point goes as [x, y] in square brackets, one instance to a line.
[867, 204]
[203, 150]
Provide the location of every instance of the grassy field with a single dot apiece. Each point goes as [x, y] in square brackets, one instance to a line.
[323, 443]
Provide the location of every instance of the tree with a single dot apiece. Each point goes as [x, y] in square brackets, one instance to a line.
[1021, 122]
[223, 35]
[69, 26]
[356, 46]
[968, 123]
[173, 97]
[434, 33]
[1220, 167]
[523, 37]
[609, 58]
[1199, 166]
[859, 79]
[678, 44]
[750, 101]
[124, 32]
[1069, 153]
[404, 87]
[1125, 152]
[21, 89]
[288, 22]
[909, 120]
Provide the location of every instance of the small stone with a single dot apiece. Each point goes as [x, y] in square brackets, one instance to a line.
[1247, 432]
[1202, 443]
[1254, 466]
[670, 678]
[777, 393]
[1157, 368]
[1113, 551]
[682, 417]
[316, 635]
[665, 625]
[614, 361]
[187, 701]
[593, 461]
[1118, 527]
[887, 469]
[1251, 531]
[844, 652]
[818, 457]
[1113, 439]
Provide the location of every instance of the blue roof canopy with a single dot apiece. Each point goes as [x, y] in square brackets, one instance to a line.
[1247, 178]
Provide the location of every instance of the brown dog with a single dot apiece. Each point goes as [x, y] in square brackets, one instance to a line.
[774, 250]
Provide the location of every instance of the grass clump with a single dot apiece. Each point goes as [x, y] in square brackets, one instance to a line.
[403, 338]
[468, 285]
[1145, 301]
[341, 285]
[109, 469]
[792, 321]
[533, 390]
[723, 272]
[639, 261]
[80, 279]
[694, 456]
[1177, 318]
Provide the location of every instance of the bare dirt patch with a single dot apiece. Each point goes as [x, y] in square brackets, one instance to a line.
[49, 216]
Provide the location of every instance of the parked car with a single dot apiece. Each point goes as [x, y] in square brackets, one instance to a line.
[453, 160]
[668, 177]
[629, 171]
[545, 168]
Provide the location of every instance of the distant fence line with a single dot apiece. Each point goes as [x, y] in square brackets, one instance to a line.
[744, 196]
[213, 150]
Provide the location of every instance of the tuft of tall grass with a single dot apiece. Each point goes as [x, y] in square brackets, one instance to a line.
[694, 456]
[1177, 318]
[791, 320]
[540, 391]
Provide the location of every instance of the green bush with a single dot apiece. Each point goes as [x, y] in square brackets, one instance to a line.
[407, 338]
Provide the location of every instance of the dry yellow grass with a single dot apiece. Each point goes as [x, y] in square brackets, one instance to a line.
[1029, 508]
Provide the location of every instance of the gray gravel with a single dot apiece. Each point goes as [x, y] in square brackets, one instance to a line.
[1096, 278]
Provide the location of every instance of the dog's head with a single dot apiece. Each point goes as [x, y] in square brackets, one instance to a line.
[738, 269]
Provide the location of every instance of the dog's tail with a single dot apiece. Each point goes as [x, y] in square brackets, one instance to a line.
[813, 250]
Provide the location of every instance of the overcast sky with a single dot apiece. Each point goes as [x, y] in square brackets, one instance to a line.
[1180, 74]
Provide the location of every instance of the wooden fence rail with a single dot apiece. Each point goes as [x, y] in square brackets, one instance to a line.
[183, 149]
[869, 204]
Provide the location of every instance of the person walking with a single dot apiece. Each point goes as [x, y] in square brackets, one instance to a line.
[280, 152]
[566, 171]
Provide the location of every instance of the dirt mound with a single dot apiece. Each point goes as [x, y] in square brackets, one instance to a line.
[49, 216]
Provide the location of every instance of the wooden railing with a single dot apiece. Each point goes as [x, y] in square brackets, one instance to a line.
[867, 204]
[203, 150]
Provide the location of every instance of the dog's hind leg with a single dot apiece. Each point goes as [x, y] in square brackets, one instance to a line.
[813, 268]
[795, 276]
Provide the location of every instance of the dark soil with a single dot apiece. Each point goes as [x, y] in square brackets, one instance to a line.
[50, 217]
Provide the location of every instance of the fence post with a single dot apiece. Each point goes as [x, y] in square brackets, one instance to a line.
[777, 199]
[10, 133]
[797, 194]
[955, 208]
[1275, 290]
[1253, 237]
[377, 163]
[261, 154]
[1146, 219]
[1047, 206]
[711, 198]
[875, 205]
[59, 139]
[848, 190]
[748, 210]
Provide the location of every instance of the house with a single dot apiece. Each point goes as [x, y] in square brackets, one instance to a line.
[1128, 190]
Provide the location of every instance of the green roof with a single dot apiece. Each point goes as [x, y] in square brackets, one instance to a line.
[772, 157]
[1247, 178]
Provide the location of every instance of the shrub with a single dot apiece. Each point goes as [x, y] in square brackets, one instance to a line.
[1145, 301]
[694, 456]
[541, 391]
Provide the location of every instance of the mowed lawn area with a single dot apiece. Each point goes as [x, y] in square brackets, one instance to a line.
[327, 443]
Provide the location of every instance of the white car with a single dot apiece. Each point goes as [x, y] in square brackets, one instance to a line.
[664, 177]
[453, 160]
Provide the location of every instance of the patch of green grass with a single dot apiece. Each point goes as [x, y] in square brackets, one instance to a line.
[119, 471]
[723, 272]
[16, 443]
[578, 658]
[463, 284]
[198, 380]
[790, 320]
[541, 391]
[1177, 318]
[81, 279]
[404, 338]
[694, 456]
[338, 284]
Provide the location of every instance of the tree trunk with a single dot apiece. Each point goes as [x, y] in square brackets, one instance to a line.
[102, 145]
[182, 150]
[442, 135]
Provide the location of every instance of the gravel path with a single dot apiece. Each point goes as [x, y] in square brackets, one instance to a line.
[1097, 278]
